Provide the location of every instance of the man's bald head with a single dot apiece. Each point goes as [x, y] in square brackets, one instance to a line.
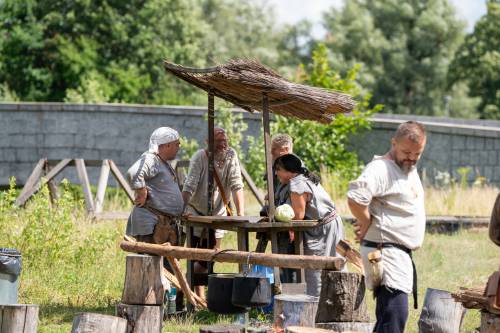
[412, 130]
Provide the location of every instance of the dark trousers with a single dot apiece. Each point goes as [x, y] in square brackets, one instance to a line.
[391, 310]
[287, 275]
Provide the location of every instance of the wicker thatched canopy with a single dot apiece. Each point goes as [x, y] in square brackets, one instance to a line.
[243, 83]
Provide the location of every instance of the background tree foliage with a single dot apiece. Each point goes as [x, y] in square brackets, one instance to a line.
[405, 47]
[477, 62]
[112, 50]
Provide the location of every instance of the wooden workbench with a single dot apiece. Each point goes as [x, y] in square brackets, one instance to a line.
[243, 225]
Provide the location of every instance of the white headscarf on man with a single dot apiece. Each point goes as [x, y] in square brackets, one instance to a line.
[160, 136]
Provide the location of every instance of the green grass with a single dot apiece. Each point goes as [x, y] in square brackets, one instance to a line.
[72, 264]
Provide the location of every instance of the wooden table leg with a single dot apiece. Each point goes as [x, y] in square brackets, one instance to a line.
[242, 237]
[274, 248]
[189, 263]
[299, 249]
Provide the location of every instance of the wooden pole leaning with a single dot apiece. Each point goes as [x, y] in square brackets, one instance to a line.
[241, 257]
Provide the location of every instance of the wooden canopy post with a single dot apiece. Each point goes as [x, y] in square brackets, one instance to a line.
[211, 118]
[269, 164]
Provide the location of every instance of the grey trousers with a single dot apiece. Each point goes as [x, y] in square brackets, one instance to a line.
[321, 241]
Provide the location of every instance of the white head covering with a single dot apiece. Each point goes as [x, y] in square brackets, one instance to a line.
[162, 136]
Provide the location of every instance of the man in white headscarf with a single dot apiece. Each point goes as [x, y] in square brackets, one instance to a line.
[158, 199]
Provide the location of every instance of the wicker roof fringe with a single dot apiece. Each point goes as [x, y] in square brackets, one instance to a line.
[243, 82]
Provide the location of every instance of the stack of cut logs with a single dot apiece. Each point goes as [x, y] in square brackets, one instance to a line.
[476, 298]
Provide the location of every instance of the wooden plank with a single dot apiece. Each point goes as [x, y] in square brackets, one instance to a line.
[269, 166]
[112, 215]
[84, 180]
[251, 184]
[54, 172]
[101, 186]
[51, 185]
[211, 170]
[121, 180]
[239, 257]
[32, 183]
[232, 219]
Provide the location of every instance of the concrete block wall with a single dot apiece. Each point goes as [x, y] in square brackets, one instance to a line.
[30, 131]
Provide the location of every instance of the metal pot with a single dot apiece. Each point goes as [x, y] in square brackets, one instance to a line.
[251, 291]
[220, 289]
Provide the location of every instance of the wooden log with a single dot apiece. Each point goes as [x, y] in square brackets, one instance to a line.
[174, 263]
[95, 322]
[346, 327]
[342, 298]
[101, 187]
[294, 310]
[84, 181]
[490, 323]
[121, 180]
[471, 298]
[266, 259]
[18, 318]
[224, 328]
[345, 249]
[440, 313]
[143, 280]
[141, 318]
[302, 329]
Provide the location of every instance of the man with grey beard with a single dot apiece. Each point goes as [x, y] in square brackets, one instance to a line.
[387, 201]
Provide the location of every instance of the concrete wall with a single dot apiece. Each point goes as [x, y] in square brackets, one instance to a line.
[30, 131]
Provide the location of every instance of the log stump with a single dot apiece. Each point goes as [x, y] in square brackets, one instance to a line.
[342, 298]
[228, 328]
[346, 327]
[490, 323]
[18, 318]
[295, 310]
[144, 284]
[141, 318]
[440, 313]
[95, 322]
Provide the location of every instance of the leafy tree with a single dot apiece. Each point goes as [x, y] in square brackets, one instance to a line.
[325, 146]
[477, 61]
[52, 47]
[404, 47]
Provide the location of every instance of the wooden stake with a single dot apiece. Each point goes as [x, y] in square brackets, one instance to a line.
[84, 180]
[101, 186]
[174, 263]
[121, 180]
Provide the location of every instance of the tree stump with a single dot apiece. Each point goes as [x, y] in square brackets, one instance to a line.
[490, 323]
[18, 318]
[342, 298]
[440, 313]
[228, 328]
[295, 310]
[143, 280]
[141, 318]
[346, 327]
[94, 322]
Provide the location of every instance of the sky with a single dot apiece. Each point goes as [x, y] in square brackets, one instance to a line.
[292, 11]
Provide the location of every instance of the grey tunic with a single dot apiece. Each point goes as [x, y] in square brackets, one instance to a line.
[321, 240]
[163, 193]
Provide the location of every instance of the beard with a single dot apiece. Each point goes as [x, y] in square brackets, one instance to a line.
[406, 165]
